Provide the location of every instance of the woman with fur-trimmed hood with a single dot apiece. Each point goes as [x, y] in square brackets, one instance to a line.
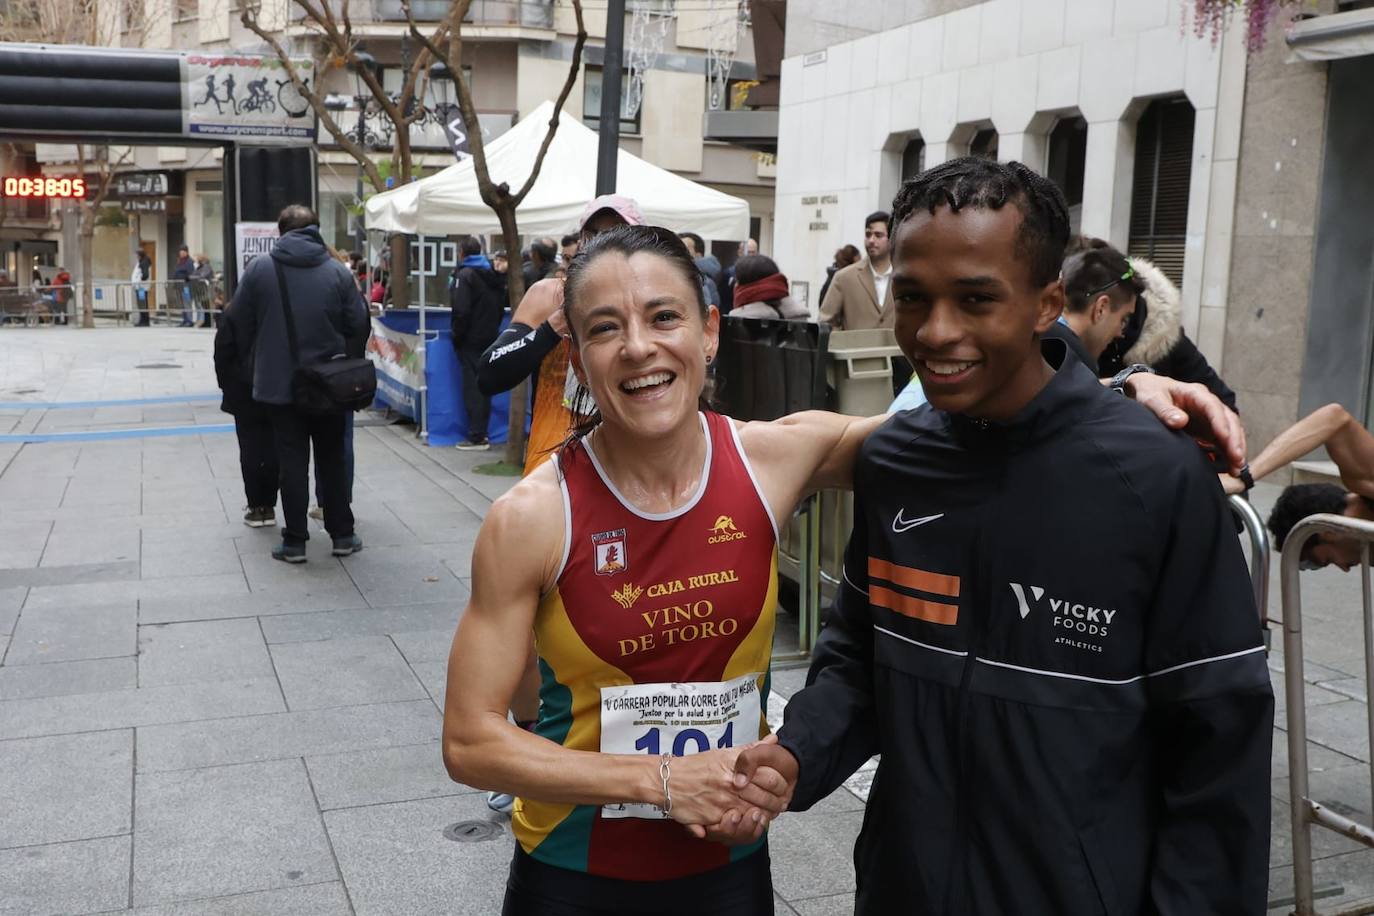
[1154, 335]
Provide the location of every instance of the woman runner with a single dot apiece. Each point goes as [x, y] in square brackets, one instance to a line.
[644, 559]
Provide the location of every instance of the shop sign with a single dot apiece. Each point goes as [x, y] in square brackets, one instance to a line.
[142, 184]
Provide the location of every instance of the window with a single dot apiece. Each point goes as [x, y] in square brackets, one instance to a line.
[187, 9]
[913, 158]
[1159, 192]
[1068, 156]
[212, 227]
[591, 103]
[984, 143]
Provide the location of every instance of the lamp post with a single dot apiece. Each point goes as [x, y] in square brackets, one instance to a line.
[608, 146]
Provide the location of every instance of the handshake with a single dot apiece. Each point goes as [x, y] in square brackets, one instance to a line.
[731, 795]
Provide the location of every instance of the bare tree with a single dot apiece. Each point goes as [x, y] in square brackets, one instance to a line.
[74, 22]
[502, 200]
[336, 46]
[89, 210]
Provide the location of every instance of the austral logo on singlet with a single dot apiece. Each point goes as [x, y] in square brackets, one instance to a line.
[611, 555]
[724, 530]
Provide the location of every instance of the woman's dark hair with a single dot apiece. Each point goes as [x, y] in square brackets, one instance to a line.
[846, 255]
[753, 267]
[626, 241]
[984, 184]
[1094, 268]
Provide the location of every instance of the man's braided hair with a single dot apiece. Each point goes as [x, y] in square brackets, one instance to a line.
[984, 184]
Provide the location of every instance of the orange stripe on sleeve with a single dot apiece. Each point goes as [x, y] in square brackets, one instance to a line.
[907, 577]
[945, 614]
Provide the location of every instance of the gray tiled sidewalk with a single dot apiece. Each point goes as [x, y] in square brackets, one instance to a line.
[187, 727]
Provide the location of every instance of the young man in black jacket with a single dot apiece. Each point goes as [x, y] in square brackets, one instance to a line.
[1069, 723]
[477, 296]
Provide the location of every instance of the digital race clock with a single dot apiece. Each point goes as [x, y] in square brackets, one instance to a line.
[43, 186]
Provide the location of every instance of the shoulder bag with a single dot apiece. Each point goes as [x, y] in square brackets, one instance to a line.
[331, 386]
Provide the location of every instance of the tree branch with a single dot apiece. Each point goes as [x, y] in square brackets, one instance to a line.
[568, 83]
[316, 102]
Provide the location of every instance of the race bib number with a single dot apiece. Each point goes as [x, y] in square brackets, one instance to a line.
[677, 719]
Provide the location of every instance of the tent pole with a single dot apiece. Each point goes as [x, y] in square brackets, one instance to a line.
[424, 342]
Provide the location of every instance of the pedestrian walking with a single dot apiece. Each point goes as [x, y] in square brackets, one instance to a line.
[477, 297]
[300, 309]
[202, 283]
[182, 272]
[62, 295]
[143, 273]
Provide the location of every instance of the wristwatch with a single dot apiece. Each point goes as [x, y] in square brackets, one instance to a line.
[1118, 382]
[1246, 477]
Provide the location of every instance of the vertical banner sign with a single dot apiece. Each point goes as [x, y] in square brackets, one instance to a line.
[246, 96]
[251, 240]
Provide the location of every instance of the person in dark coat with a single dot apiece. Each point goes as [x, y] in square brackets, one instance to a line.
[1154, 336]
[252, 424]
[183, 272]
[331, 320]
[477, 296]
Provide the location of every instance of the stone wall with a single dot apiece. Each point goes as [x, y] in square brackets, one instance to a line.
[1281, 145]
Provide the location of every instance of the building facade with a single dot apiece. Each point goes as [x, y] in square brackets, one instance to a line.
[1205, 158]
[517, 55]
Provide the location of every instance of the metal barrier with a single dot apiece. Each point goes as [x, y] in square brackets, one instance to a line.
[1260, 551]
[1305, 811]
[163, 302]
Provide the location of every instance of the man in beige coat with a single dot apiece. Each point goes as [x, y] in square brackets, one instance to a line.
[860, 295]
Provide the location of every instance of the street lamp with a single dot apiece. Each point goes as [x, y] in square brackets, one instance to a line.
[361, 59]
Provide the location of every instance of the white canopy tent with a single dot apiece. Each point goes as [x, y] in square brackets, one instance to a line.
[448, 203]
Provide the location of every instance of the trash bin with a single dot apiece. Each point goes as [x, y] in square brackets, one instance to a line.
[860, 370]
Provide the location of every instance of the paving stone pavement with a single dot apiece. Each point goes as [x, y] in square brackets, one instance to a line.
[187, 727]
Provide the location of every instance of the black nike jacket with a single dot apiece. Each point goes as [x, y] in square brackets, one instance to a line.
[1046, 629]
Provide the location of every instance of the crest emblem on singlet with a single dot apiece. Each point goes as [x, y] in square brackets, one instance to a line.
[611, 556]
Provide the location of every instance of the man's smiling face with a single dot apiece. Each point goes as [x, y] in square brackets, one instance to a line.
[968, 311]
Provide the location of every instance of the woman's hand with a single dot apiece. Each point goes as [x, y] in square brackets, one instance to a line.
[1232, 486]
[705, 790]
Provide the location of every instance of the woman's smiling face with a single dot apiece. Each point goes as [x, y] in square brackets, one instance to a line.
[640, 343]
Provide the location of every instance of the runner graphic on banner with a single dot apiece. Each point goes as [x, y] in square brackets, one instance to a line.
[246, 96]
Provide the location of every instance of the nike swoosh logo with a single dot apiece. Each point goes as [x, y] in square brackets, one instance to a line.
[900, 524]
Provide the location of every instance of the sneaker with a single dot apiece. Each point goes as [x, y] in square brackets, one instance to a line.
[261, 517]
[289, 553]
[345, 546]
[480, 445]
[501, 803]
[316, 512]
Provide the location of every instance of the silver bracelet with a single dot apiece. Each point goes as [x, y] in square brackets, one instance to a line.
[664, 772]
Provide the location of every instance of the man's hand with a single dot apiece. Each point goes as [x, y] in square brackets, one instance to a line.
[1191, 407]
[765, 777]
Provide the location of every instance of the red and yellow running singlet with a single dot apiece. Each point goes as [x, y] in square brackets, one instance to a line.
[656, 639]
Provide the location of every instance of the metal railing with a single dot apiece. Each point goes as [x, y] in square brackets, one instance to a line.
[1260, 551]
[160, 301]
[1305, 811]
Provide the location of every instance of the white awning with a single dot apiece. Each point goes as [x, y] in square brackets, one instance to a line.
[1332, 37]
[448, 202]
